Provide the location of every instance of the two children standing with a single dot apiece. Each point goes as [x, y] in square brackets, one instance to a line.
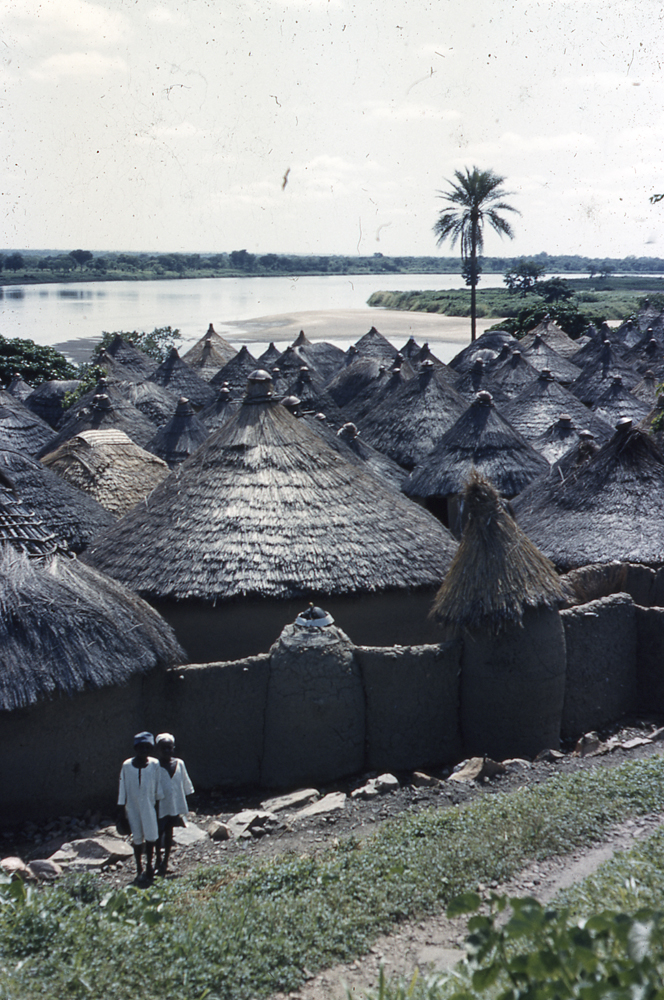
[153, 791]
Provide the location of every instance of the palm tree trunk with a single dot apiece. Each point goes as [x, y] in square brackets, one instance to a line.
[473, 311]
[473, 286]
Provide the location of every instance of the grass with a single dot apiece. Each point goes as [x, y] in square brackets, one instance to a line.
[246, 930]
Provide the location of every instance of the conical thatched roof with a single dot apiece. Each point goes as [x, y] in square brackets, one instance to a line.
[314, 397]
[375, 461]
[325, 359]
[20, 428]
[109, 467]
[374, 345]
[124, 361]
[617, 402]
[235, 373]
[410, 422]
[388, 382]
[269, 357]
[477, 378]
[68, 513]
[597, 349]
[21, 528]
[510, 377]
[541, 355]
[497, 572]
[153, 401]
[596, 378]
[553, 336]
[180, 437]
[66, 628]
[410, 349]
[647, 389]
[611, 507]
[46, 399]
[557, 439]
[359, 375]
[265, 508]
[541, 403]
[483, 441]
[18, 388]
[104, 415]
[218, 412]
[104, 387]
[209, 354]
[487, 346]
[176, 376]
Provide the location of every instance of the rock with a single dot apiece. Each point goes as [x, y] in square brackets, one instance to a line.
[516, 762]
[17, 869]
[368, 791]
[477, 768]
[422, 780]
[329, 803]
[657, 735]
[637, 741]
[254, 823]
[549, 755]
[45, 870]
[184, 836]
[587, 744]
[295, 800]
[387, 783]
[92, 852]
[219, 831]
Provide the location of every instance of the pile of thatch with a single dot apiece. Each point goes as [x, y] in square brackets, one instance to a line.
[480, 441]
[611, 507]
[209, 354]
[21, 429]
[265, 508]
[47, 399]
[180, 437]
[109, 467]
[66, 628]
[497, 572]
[67, 512]
[103, 415]
[176, 376]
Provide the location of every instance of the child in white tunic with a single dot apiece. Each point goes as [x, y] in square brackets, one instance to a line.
[140, 791]
[175, 785]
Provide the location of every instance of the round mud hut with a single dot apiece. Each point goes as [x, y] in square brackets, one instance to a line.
[501, 597]
[264, 514]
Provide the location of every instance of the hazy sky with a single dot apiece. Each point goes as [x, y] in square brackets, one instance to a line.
[128, 124]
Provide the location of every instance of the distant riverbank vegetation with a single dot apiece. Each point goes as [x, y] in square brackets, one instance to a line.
[19, 267]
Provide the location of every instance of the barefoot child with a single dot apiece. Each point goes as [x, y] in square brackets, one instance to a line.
[175, 786]
[140, 790]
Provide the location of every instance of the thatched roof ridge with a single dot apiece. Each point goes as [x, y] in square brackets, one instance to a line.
[109, 467]
[611, 507]
[209, 354]
[103, 414]
[542, 402]
[18, 388]
[20, 428]
[266, 508]
[616, 402]
[176, 376]
[180, 437]
[541, 355]
[236, 373]
[497, 572]
[490, 342]
[480, 441]
[66, 628]
[46, 399]
[408, 423]
[67, 512]
[410, 349]
[552, 335]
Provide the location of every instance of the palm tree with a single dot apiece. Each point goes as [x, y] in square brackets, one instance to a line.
[475, 198]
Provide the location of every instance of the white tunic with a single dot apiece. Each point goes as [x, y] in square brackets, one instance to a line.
[174, 790]
[140, 790]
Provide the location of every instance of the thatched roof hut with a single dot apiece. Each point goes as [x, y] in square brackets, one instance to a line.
[269, 358]
[541, 355]
[218, 412]
[480, 441]
[553, 336]
[598, 349]
[487, 346]
[410, 349]
[180, 437]
[66, 628]
[595, 378]
[209, 354]
[104, 387]
[616, 402]
[109, 467]
[375, 461]
[647, 389]
[264, 508]
[497, 572]
[314, 397]
[477, 378]
[410, 422]
[610, 508]
[46, 400]
[541, 403]
[21, 528]
[357, 376]
[126, 361]
[68, 513]
[557, 439]
[176, 376]
[324, 358]
[388, 383]
[18, 388]
[235, 374]
[374, 345]
[20, 428]
[102, 414]
[153, 401]
[510, 377]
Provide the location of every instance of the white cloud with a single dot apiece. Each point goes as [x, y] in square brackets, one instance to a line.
[77, 64]
[77, 18]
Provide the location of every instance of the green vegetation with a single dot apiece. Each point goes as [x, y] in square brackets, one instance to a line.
[244, 930]
[33, 363]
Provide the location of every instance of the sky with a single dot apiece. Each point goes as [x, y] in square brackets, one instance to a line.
[328, 126]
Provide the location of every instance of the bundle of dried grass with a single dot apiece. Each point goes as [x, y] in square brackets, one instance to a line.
[497, 572]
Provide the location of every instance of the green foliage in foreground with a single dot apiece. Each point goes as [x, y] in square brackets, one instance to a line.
[156, 344]
[244, 930]
[35, 364]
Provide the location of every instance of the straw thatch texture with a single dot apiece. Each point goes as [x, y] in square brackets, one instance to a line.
[647, 389]
[153, 401]
[269, 357]
[176, 376]
[103, 415]
[596, 349]
[610, 508]
[375, 461]
[497, 572]
[66, 628]
[359, 377]
[553, 336]
[314, 397]
[322, 357]
[510, 377]
[410, 349]
[104, 387]
[596, 378]
[70, 514]
[218, 412]
[19, 389]
[180, 437]
[541, 403]
[617, 402]
[265, 508]
[374, 345]
[541, 355]
[209, 354]
[46, 399]
[109, 467]
[410, 422]
[483, 441]
[487, 346]
[235, 373]
[557, 439]
[20, 428]
[128, 361]
[22, 528]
